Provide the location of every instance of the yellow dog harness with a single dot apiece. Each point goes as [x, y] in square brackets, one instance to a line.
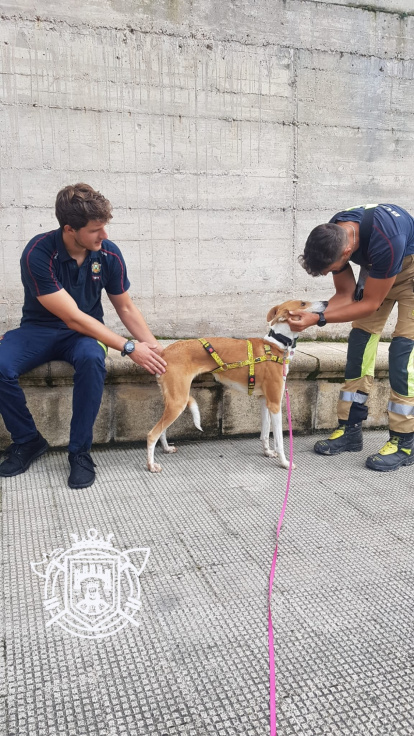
[251, 361]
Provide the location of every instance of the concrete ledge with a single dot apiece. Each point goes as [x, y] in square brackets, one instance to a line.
[132, 402]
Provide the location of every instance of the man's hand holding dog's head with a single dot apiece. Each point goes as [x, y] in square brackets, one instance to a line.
[300, 320]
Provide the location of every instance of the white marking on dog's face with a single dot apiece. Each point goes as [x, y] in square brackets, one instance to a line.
[317, 307]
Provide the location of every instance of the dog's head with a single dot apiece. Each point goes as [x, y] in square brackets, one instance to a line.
[280, 313]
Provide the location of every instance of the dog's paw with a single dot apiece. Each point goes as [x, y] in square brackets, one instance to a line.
[169, 450]
[286, 464]
[154, 468]
[282, 461]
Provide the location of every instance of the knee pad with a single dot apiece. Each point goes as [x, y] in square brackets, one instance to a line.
[362, 351]
[401, 366]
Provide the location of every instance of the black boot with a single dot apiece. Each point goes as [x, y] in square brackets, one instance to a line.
[345, 438]
[398, 451]
[19, 457]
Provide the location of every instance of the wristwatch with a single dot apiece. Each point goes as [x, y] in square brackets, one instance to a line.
[129, 348]
[321, 321]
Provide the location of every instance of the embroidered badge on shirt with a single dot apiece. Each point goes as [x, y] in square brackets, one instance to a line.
[96, 270]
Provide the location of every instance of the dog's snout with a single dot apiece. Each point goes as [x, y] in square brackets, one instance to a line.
[318, 307]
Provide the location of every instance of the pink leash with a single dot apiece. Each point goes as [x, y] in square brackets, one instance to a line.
[272, 677]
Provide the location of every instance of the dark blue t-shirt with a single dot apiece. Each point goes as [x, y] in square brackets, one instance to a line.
[47, 267]
[391, 240]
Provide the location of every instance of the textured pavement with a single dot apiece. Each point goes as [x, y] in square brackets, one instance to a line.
[343, 601]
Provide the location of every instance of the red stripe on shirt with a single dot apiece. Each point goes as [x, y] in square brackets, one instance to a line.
[121, 264]
[51, 270]
[391, 249]
[27, 262]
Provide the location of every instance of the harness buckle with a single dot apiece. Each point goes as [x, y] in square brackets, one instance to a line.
[224, 367]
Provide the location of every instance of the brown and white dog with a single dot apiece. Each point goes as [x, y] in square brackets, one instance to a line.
[186, 359]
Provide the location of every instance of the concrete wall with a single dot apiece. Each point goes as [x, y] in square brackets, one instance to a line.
[221, 131]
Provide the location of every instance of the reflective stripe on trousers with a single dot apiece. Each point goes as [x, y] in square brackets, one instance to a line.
[404, 409]
[353, 396]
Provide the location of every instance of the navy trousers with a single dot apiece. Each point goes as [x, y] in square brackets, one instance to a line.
[31, 345]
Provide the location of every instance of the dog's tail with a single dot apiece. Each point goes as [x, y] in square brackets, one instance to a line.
[193, 407]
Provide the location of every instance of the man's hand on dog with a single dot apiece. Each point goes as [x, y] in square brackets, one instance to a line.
[300, 320]
[148, 357]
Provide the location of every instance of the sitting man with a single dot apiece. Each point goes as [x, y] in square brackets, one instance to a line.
[63, 274]
[380, 238]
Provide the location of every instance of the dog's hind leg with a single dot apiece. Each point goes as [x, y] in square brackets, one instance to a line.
[173, 385]
[193, 406]
[159, 433]
[164, 444]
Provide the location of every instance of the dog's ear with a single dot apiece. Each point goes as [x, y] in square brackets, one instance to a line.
[271, 314]
[283, 315]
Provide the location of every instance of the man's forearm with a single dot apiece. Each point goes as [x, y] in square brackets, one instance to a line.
[90, 326]
[340, 301]
[348, 312]
[146, 355]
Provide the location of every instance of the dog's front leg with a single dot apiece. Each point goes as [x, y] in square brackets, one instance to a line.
[278, 439]
[265, 433]
[276, 420]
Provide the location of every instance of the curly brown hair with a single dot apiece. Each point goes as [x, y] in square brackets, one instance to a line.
[324, 246]
[77, 204]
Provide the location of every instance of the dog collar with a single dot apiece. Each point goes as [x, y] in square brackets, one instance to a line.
[286, 341]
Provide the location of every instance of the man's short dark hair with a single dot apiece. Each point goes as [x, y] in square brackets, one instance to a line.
[77, 204]
[324, 246]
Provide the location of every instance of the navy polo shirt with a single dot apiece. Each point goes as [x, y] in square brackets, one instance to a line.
[392, 239]
[47, 267]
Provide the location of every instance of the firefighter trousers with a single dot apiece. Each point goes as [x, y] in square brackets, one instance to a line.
[362, 351]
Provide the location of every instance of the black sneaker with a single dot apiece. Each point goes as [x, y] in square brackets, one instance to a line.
[19, 457]
[344, 439]
[82, 472]
[396, 452]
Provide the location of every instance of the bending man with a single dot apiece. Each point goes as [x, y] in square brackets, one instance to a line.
[379, 238]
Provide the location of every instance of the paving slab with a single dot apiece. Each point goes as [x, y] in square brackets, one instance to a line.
[197, 663]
